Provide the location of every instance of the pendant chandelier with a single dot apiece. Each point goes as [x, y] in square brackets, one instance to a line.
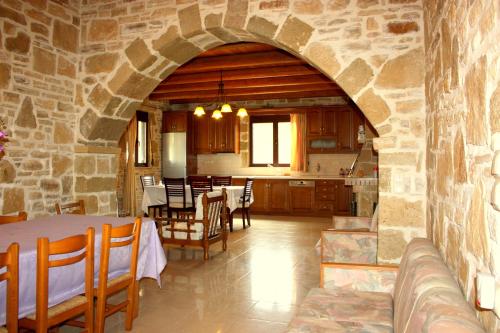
[221, 105]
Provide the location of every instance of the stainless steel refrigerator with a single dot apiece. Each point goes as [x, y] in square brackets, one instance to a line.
[174, 155]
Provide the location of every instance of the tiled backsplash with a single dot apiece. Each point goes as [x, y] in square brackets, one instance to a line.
[231, 164]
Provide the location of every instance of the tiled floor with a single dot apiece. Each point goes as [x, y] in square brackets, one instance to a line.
[255, 286]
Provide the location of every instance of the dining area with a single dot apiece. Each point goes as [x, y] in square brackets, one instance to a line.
[62, 269]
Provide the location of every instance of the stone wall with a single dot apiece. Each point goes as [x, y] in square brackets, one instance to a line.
[39, 54]
[372, 48]
[463, 134]
[88, 67]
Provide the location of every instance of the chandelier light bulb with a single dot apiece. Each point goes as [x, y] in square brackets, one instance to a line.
[199, 111]
[217, 114]
[242, 113]
[226, 108]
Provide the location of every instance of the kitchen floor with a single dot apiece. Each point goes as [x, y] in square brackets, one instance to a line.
[256, 286]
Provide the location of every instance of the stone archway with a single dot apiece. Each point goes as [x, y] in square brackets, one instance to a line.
[381, 71]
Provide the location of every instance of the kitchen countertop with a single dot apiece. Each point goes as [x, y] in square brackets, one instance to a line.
[332, 177]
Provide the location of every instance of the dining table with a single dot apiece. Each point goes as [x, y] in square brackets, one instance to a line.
[156, 195]
[68, 281]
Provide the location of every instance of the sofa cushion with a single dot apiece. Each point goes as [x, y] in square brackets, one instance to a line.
[426, 297]
[344, 310]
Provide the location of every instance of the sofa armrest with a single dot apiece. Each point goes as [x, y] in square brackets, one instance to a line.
[362, 277]
[351, 222]
[346, 246]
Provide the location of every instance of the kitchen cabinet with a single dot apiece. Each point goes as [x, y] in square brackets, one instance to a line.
[174, 122]
[302, 197]
[333, 130]
[332, 197]
[216, 136]
[270, 196]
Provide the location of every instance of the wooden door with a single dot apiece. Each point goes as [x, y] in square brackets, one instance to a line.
[301, 199]
[343, 197]
[202, 138]
[314, 123]
[260, 189]
[344, 130]
[328, 123]
[278, 191]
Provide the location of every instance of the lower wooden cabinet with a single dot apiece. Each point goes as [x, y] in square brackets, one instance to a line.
[301, 200]
[270, 195]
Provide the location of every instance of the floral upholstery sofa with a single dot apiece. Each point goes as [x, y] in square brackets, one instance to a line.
[419, 296]
[352, 239]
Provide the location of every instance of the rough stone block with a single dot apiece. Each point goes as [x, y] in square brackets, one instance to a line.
[102, 30]
[100, 63]
[402, 27]
[401, 212]
[4, 75]
[374, 107]
[60, 165]
[7, 172]
[323, 56]
[391, 245]
[308, 7]
[355, 77]
[65, 67]
[261, 27]
[44, 61]
[12, 15]
[190, 21]
[404, 71]
[65, 36]
[236, 14]
[95, 184]
[19, 44]
[139, 54]
[26, 118]
[13, 198]
[128, 82]
[63, 134]
[295, 33]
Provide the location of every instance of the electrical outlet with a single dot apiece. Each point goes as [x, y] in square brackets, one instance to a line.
[496, 309]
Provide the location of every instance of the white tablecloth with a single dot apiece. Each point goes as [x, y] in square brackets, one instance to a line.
[66, 282]
[155, 195]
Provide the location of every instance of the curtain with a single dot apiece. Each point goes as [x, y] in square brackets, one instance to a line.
[298, 156]
[129, 190]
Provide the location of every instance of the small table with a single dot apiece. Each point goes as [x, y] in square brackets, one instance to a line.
[66, 282]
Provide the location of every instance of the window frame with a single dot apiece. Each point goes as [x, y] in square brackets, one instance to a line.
[142, 116]
[274, 119]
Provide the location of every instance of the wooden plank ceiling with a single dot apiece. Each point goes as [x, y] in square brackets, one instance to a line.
[250, 71]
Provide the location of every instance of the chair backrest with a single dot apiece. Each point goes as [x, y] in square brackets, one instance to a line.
[247, 191]
[10, 260]
[83, 246]
[222, 180]
[198, 187]
[175, 187]
[116, 237]
[21, 216]
[77, 207]
[147, 180]
[196, 178]
[213, 206]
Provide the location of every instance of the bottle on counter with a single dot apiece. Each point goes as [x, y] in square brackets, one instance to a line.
[375, 172]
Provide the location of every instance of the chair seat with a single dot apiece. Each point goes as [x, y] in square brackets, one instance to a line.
[178, 205]
[3, 330]
[240, 204]
[198, 227]
[62, 307]
[118, 279]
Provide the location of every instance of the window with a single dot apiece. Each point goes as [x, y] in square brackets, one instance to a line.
[142, 142]
[270, 142]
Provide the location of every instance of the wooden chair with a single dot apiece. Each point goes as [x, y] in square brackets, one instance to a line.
[198, 229]
[21, 216]
[244, 204]
[45, 317]
[222, 180]
[117, 237]
[147, 180]
[175, 192]
[199, 186]
[10, 260]
[196, 178]
[77, 207]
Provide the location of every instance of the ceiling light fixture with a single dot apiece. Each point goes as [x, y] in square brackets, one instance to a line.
[221, 105]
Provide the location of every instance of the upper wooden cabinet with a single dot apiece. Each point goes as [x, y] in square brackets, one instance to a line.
[216, 136]
[333, 129]
[174, 122]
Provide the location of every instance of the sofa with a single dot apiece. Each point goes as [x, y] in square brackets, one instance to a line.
[352, 239]
[418, 296]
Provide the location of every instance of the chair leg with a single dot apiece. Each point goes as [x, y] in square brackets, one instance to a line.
[243, 217]
[100, 314]
[248, 217]
[205, 253]
[129, 317]
[230, 221]
[89, 318]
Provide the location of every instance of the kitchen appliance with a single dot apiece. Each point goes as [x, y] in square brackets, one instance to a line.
[173, 155]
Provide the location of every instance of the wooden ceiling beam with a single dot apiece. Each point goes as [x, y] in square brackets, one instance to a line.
[239, 61]
[263, 96]
[241, 74]
[212, 94]
[247, 83]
